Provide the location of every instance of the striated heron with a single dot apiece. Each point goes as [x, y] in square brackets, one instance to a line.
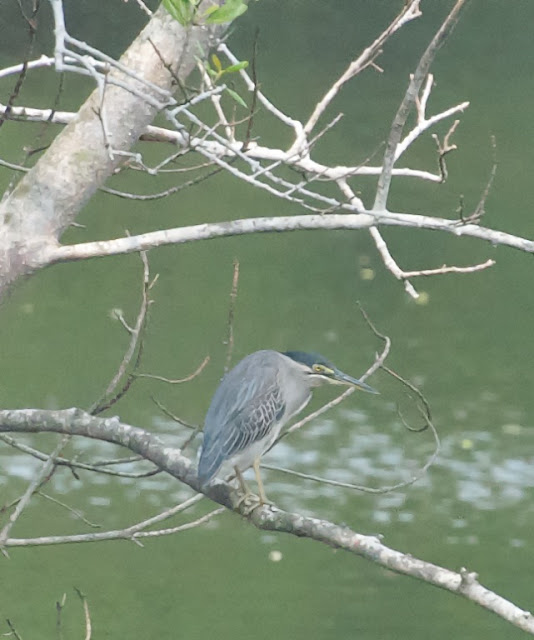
[252, 404]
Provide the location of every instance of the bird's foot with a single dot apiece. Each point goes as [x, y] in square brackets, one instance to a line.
[247, 502]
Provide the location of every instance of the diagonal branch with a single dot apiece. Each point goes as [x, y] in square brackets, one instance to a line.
[45, 470]
[408, 101]
[365, 59]
[268, 518]
[48, 198]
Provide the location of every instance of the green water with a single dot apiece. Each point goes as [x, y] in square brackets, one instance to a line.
[469, 349]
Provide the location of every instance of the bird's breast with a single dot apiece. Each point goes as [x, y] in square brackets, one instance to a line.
[296, 396]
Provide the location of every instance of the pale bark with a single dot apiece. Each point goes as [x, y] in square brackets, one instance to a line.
[75, 422]
[48, 198]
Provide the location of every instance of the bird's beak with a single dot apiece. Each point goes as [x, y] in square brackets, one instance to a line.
[343, 378]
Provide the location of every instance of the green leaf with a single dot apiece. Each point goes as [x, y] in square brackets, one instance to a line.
[216, 62]
[236, 97]
[181, 10]
[229, 11]
[210, 10]
[236, 67]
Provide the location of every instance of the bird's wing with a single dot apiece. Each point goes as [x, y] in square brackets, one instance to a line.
[238, 419]
[252, 423]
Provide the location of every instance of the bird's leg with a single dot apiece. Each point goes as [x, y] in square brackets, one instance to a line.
[248, 499]
[261, 490]
[245, 489]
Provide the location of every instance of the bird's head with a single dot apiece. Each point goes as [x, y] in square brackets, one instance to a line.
[322, 371]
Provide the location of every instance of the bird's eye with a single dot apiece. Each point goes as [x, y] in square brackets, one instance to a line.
[318, 368]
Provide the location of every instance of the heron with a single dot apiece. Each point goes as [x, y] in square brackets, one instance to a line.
[252, 404]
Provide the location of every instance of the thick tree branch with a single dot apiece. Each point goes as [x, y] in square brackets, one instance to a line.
[180, 235]
[75, 422]
[78, 162]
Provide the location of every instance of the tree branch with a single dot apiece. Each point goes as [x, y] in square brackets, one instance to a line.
[416, 82]
[48, 198]
[364, 220]
[78, 423]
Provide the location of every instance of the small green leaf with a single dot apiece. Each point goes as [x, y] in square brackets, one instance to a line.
[181, 10]
[236, 67]
[213, 74]
[229, 11]
[210, 10]
[236, 97]
[216, 62]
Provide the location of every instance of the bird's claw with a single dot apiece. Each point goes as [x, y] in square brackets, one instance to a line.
[247, 502]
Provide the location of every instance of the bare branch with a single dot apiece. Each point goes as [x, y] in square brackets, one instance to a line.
[480, 209]
[366, 58]
[75, 464]
[444, 148]
[231, 311]
[135, 333]
[13, 630]
[137, 86]
[133, 533]
[412, 92]
[445, 269]
[37, 480]
[87, 615]
[75, 512]
[363, 220]
[268, 518]
[187, 378]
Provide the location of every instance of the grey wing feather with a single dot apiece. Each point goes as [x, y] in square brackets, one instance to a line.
[244, 407]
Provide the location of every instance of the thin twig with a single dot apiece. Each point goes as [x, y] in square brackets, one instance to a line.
[75, 464]
[366, 58]
[135, 344]
[45, 470]
[133, 533]
[75, 512]
[481, 206]
[87, 615]
[416, 81]
[188, 378]
[445, 269]
[231, 312]
[444, 148]
[253, 103]
[172, 416]
[379, 360]
[11, 626]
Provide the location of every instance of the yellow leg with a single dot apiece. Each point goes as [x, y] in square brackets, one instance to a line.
[242, 484]
[261, 491]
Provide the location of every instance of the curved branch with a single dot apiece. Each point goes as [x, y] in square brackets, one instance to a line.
[56, 253]
[78, 423]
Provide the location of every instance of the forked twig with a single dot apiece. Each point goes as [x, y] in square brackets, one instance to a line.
[444, 148]
[133, 533]
[135, 345]
[414, 87]
[45, 470]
